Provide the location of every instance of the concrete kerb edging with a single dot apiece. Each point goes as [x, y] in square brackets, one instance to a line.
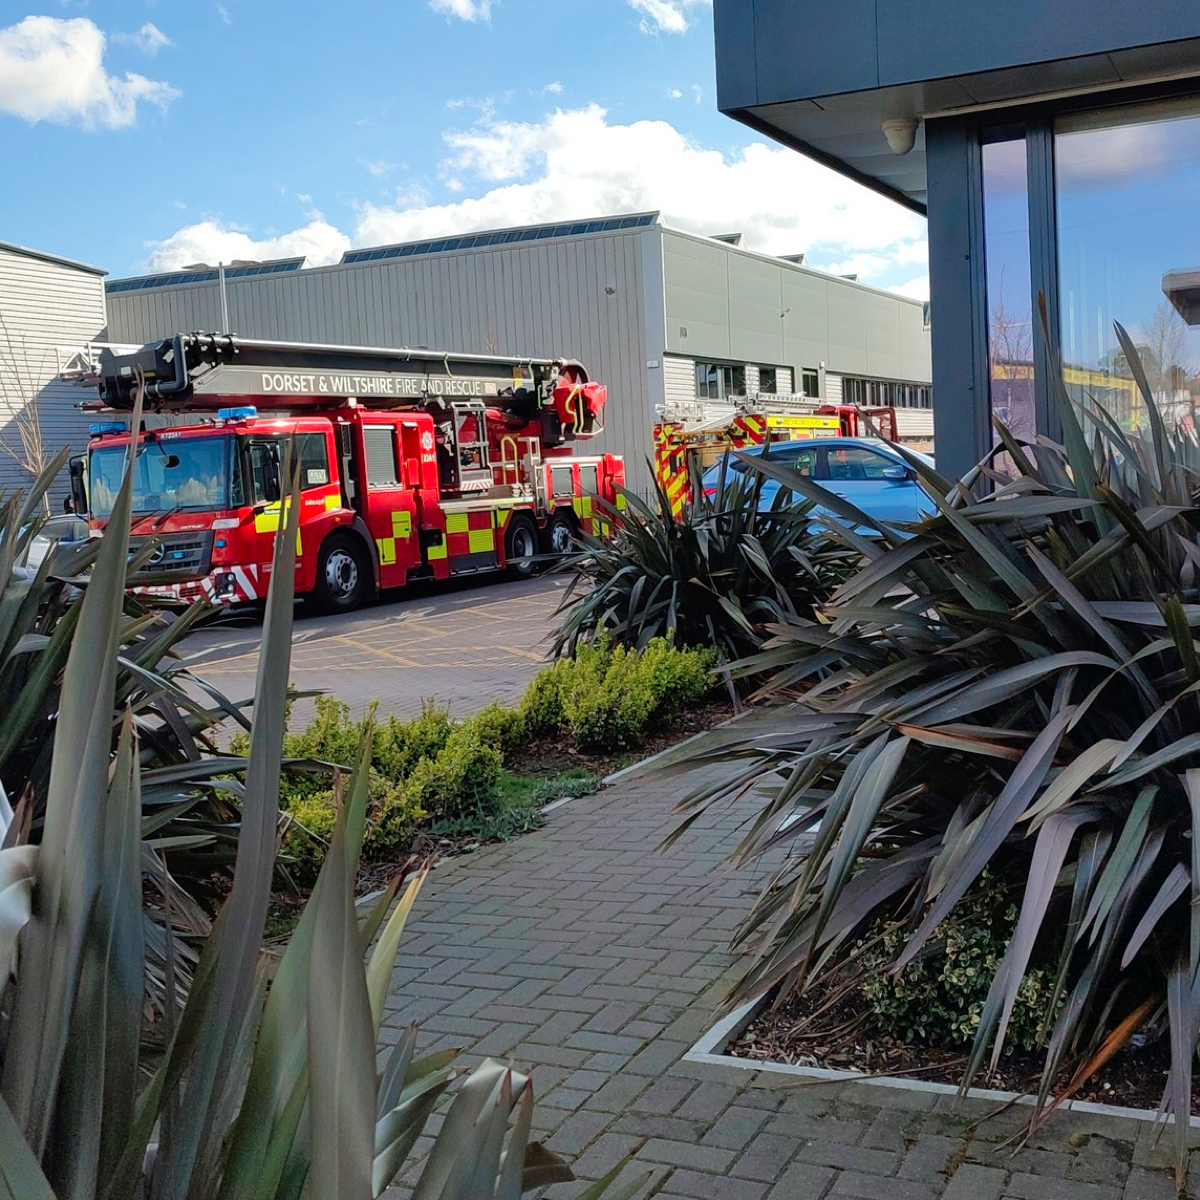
[712, 1046]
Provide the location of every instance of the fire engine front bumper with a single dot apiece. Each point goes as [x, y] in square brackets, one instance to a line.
[224, 585]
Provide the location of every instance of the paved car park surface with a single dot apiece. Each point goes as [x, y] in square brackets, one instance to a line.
[464, 644]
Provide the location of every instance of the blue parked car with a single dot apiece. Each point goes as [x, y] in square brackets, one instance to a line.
[867, 472]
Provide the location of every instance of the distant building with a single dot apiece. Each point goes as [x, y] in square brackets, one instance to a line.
[655, 313]
[47, 305]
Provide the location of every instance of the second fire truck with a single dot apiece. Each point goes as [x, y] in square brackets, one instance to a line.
[413, 464]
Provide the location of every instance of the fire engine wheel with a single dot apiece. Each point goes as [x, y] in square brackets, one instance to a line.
[343, 574]
[521, 547]
[559, 534]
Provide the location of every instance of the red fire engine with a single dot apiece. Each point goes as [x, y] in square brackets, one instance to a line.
[413, 464]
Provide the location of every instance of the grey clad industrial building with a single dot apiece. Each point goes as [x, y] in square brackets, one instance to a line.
[1055, 146]
[657, 314]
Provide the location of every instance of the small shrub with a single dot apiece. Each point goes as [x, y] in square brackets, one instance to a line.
[461, 778]
[401, 745]
[678, 678]
[938, 998]
[611, 699]
[542, 704]
[314, 819]
[607, 697]
[497, 726]
[391, 823]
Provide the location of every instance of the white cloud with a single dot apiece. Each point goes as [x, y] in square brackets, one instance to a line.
[914, 289]
[52, 69]
[377, 167]
[464, 10]
[211, 241]
[553, 89]
[224, 14]
[666, 16]
[674, 94]
[513, 173]
[781, 201]
[149, 39]
[697, 93]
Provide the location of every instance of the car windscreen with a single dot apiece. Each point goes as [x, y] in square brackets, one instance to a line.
[170, 473]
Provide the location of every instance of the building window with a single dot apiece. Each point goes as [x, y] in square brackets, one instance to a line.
[885, 393]
[720, 381]
[768, 379]
[1129, 251]
[810, 382]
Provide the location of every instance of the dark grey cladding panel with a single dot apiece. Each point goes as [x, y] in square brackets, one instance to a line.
[824, 47]
[733, 31]
[771, 51]
[930, 39]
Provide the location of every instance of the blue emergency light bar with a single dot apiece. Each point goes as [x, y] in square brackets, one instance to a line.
[108, 427]
[242, 413]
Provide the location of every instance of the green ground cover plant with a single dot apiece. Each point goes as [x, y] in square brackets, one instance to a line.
[1016, 688]
[939, 997]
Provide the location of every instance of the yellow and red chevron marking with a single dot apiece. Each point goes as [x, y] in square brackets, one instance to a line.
[748, 429]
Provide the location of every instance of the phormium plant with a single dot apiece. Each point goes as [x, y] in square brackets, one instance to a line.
[717, 576]
[1015, 688]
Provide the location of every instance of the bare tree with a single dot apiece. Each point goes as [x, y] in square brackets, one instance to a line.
[1010, 338]
[21, 439]
[1165, 346]
[1010, 353]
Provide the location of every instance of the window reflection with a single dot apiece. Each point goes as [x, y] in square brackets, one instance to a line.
[1128, 186]
[1009, 302]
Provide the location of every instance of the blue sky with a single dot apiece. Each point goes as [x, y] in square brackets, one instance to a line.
[148, 134]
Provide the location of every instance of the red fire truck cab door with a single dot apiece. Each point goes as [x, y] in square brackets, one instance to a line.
[390, 508]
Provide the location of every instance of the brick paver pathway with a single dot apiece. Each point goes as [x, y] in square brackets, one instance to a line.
[584, 953]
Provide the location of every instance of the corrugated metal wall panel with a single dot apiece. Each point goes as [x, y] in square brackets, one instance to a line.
[546, 299]
[679, 376]
[44, 306]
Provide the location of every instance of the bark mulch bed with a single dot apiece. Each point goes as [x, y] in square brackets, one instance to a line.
[820, 1030]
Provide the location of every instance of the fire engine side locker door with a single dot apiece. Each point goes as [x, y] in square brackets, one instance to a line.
[390, 507]
[419, 468]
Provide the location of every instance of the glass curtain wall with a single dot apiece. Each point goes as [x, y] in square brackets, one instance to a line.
[1128, 227]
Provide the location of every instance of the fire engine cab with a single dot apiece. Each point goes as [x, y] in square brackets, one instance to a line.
[413, 464]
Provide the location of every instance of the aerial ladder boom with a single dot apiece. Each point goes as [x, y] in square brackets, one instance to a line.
[200, 371]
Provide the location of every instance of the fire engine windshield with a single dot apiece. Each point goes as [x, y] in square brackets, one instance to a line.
[172, 474]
